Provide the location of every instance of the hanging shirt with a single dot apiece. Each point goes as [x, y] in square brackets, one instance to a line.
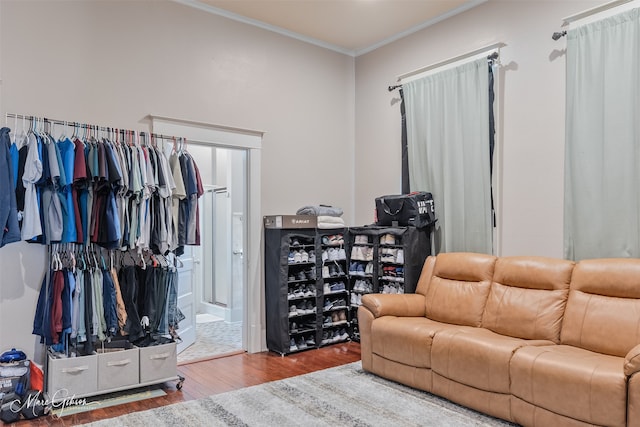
[77, 316]
[67, 154]
[178, 195]
[8, 206]
[31, 226]
[79, 185]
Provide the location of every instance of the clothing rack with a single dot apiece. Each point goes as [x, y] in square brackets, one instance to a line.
[76, 125]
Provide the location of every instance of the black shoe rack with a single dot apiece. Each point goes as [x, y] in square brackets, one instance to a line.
[315, 279]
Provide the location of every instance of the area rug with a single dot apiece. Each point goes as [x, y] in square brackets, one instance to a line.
[341, 396]
[213, 339]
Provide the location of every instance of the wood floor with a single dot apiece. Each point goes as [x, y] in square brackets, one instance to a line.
[221, 375]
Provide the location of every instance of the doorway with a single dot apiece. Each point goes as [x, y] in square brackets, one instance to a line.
[244, 148]
[218, 263]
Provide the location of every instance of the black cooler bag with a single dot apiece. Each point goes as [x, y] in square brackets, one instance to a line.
[414, 209]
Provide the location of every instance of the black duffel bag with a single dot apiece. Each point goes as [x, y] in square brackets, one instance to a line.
[415, 209]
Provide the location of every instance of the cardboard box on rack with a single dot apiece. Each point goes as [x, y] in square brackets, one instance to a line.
[290, 221]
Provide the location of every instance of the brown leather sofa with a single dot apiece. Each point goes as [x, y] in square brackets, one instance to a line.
[536, 341]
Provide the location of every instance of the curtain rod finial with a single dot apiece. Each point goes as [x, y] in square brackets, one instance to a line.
[558, 34]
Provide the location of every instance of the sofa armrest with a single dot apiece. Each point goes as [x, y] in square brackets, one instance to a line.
[401, 305]
[632, 361]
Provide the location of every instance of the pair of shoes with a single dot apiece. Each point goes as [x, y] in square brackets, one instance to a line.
[361, 239]
[334, 240]
[293, 310]
[340, 303]
[330, 337]
[343, 334]
[337, 287]
[305, 307]
[327, 337]
[297, 257]
[362, 253]
[362, 286]
[388, 271]
[301, 343]
[400, 257]
[356, 269]
[388, 239]
[332, 304]
[310, 341]
[338, 316]
[356, 299]
[292, 345]
[301, 292]
[368, 271]
[300, 241]
[309, 274]
[392, 289]
[329, 254]
[388, 254]
[334, 254]
[336, 270]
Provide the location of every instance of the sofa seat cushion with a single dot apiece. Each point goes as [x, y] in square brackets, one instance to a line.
[476, 357]
[570, 381]
[406, 340]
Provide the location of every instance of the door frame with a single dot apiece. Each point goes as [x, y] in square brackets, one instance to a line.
[250, 141]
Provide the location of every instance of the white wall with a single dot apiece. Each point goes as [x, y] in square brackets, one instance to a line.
[113, 62]
[532, 119]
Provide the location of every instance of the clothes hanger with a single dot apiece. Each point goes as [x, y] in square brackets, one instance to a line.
[21, 138]
[82, 264]
[56, 262]
[63, 135]
[102, 261]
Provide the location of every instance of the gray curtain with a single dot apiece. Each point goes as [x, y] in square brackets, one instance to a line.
[447, 116]
[602, 147]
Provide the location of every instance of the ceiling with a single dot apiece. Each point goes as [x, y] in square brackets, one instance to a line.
[352, 27]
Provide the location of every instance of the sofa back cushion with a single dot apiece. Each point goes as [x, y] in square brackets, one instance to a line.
[528, 297]
[425, 275]
[603, 309]
[458, 288]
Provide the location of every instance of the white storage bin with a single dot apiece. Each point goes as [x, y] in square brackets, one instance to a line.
[158, 362]
[118, 369]
[73, 376]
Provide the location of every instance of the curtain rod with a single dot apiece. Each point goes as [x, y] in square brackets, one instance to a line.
[585, 13]
[497, 45]
[89, 126]
[491, 57]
